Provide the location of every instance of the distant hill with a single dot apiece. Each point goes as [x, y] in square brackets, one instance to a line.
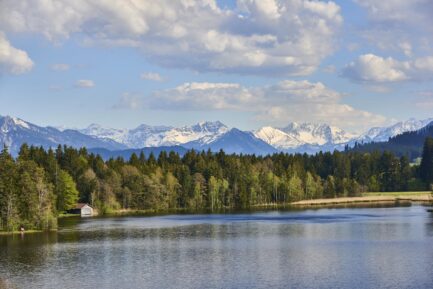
[407, 143]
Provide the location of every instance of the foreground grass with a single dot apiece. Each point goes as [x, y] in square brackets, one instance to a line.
[370, 194]
[4, 233]
[150, 212]
[366, 198]
[67, 216]
[376, 197]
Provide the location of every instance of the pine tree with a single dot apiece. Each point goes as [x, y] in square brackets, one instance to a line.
[426, 167]
[8, 192]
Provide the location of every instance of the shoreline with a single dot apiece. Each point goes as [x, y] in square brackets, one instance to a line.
[6, 233]
[370, 198]
[378, 198]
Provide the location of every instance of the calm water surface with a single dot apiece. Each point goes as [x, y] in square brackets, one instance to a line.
[326, 248]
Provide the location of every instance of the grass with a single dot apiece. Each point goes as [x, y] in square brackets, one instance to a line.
[374, 194]
[5, 233]
[68, 215]
[151, 212]
[373, 197]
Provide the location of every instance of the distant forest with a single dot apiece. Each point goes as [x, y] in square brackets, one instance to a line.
[408, 144]
[39, 184]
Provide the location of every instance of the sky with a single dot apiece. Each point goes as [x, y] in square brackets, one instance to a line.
[354, 64]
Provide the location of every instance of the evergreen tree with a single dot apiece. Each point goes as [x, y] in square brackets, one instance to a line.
[426, 167]
[36, 199]
[41, 183]
[8, 192]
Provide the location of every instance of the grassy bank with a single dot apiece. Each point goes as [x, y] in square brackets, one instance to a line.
[374, 197]
[150, 212]
[370, 198]
[4, 233]
[404, 194]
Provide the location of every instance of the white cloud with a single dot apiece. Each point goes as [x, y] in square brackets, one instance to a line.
[329, 69]
[60, 67]
[203, 95]
[274, 104]
[13, 60]
[425, 99]
[129, 101]
[398, 25]
[151, 76]
[370, 67]
[406, 47]
[401, 11]
[373, 68]
[287, 37]
[85, 83]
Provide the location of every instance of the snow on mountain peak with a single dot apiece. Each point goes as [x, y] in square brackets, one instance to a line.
[277, 138]
[298, 134]
[9, 123]
[295, 137]
[202, 132]
[153, 136]
[208, 126]
[20, 122]
[381, 134]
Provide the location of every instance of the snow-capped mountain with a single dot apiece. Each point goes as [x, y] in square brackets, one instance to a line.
[297, 135]
[156, 136]
[381, 134]
[294, 138]
[201, 136]
[235, 141]
[141, 136]
[14, 132]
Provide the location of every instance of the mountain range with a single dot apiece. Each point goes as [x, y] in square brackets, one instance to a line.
[14, 132]
[409, 143]
[293, 138]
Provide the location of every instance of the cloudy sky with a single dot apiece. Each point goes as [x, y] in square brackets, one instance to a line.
[248, 63]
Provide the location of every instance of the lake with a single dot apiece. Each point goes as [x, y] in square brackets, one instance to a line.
[325, 248]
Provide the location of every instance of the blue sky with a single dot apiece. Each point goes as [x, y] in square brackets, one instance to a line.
[248, 63]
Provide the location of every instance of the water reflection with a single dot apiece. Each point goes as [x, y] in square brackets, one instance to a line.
[325, 248]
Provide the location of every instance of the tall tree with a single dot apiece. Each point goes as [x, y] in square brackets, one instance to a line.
[67, 193]
[8, 192]
[426, 167]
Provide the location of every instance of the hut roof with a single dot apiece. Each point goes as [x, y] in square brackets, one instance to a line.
[80, 205]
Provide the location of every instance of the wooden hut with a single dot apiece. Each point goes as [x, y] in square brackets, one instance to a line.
[84, 210]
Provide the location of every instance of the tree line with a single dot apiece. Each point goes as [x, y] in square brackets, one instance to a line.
[41, 183]
[408, 144]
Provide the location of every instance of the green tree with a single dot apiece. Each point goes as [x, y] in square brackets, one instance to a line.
[8, 192]
[66, 190]
[426, 167]
[329, 190]
[310, 186]
[295, 188]
[36, 200]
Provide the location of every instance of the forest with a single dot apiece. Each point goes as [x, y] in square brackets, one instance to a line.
[408, 144]
[41, 183]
